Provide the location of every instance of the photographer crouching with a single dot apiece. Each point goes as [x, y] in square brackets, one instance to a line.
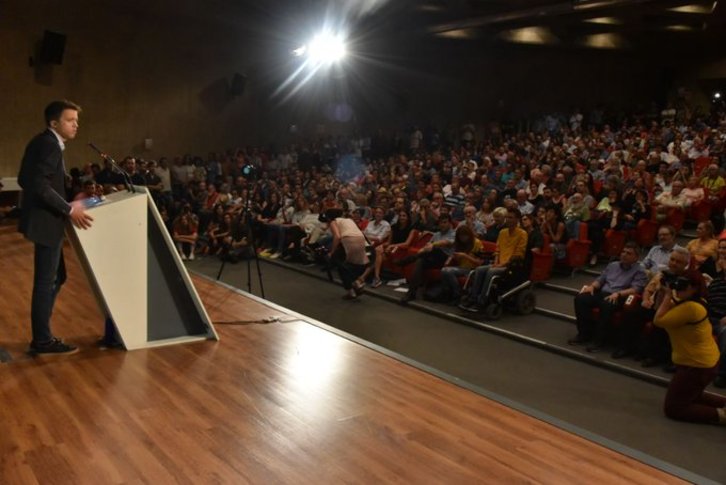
[348, 250]
[695, 354]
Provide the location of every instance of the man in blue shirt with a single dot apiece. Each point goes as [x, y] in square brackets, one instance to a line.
[433, 255]
[657, 258]
[608, 293]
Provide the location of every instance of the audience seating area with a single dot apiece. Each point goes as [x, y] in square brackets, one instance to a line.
[606, 185]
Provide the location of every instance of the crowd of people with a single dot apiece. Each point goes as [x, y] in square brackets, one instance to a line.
[524, 192]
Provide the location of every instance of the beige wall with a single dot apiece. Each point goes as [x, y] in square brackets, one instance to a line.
[159, 75]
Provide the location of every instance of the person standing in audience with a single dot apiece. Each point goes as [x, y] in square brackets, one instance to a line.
[657, 258]
[684, 316]
[43, 214]
[607, 293]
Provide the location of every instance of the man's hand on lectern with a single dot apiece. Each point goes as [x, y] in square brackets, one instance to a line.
[78, 215]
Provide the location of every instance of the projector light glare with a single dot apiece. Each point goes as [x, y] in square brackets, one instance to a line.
[326, 48]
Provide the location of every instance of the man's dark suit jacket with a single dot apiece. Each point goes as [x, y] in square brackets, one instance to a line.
[44, 209]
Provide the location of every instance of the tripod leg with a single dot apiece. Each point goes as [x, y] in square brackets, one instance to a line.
[221, 268]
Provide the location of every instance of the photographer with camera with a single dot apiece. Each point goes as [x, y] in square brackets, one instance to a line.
[348, 249]
[684, 316]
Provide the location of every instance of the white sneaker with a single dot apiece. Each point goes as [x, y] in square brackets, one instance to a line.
[183, 256]
[275, 255]
[191, 257]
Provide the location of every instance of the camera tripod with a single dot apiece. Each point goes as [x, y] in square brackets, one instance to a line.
[247, 215]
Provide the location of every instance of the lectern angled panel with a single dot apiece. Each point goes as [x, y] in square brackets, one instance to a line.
[172, 309]
[137, 276]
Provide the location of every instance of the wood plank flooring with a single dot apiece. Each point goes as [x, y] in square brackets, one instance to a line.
[270, 403]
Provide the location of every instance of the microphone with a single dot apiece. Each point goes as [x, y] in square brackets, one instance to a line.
[116, 167]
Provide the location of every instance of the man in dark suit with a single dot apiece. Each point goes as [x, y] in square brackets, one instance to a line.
[44, 211]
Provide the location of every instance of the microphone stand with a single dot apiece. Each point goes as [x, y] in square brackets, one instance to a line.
[117, 168]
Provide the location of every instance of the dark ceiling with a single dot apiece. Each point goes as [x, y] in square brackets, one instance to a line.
[616, 24]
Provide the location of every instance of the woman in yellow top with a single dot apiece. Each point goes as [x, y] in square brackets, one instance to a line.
[705, 245]
[695, 353]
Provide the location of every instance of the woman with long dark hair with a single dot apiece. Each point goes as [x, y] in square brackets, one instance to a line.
[466, 257]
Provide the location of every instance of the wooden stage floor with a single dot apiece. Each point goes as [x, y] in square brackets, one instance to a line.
[288, 402]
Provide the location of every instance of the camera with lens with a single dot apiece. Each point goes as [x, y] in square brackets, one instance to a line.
[249, 171]
[678, 283]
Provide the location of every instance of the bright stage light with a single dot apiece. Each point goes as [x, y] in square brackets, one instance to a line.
[325, 48]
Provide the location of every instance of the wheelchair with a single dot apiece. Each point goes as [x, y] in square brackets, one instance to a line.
[512, 290]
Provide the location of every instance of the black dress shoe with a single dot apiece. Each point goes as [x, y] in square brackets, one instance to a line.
[648, 362]
[578, 340]
[54, 347]
[720, 382]
[595, 348]
[409, 296]
[619, 354]
[670, 368]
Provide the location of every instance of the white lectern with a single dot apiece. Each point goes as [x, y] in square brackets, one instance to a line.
[137, 275]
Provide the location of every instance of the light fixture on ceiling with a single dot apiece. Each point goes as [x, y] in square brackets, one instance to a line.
[457, 34]
[679, 28]
[696, 8]
[530, 35]
[605, 41]
[604, 21]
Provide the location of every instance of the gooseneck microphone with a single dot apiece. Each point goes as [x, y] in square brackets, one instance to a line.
[124, 174]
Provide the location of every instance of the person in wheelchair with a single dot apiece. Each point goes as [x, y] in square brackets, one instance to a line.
[511, 244]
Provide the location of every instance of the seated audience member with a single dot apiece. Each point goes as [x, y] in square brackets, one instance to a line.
[360, 221]
[554, 228]
[476, 226]
[576, 212]
[425, 219]
[705, 245]
[608, 293]
[525, 206]
[347, 239]
[466, 256]
[433, 255]
[485, 214]
[684, 316]
[654, 348]
[673, 199]
[713, 181]
[716, 299]
[218, 233]
[535, 241]
[291, 231]
[378, 231]
[236, 246]
[401, 237]
[511, 243]
[607, 215]
[657, 258]
[638, 210]
[500, 222]
[693, 192]
[185, 234]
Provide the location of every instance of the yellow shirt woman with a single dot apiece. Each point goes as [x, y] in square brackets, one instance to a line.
[690, 331]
